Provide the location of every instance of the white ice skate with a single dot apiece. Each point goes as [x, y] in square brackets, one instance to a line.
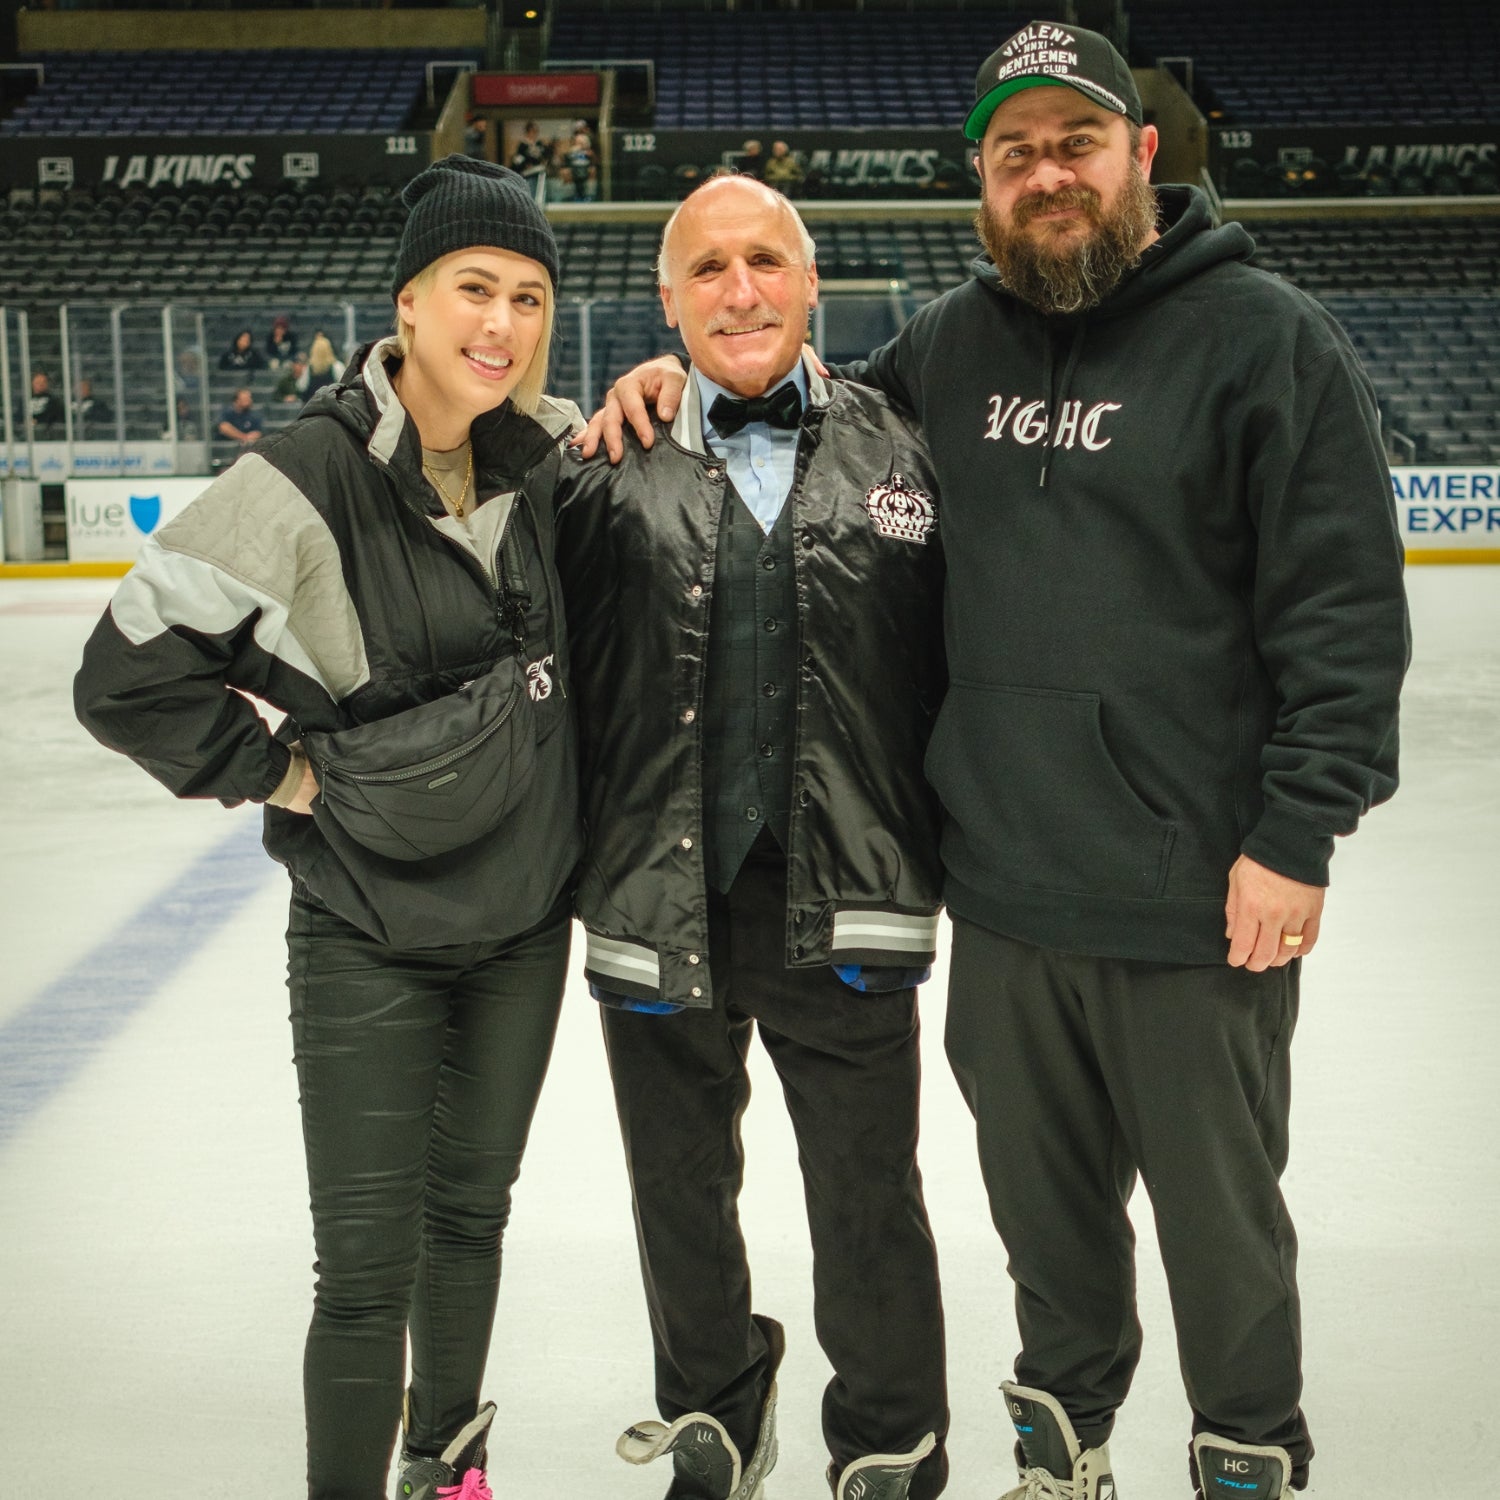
[1052, 1463]
[880, 1476]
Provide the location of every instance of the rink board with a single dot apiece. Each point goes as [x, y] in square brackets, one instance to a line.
[1447, 514]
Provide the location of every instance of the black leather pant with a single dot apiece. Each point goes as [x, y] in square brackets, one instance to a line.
[849, 1069]
[419, 1072]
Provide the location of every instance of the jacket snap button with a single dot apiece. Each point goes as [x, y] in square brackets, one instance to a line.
[696, 591]
[798, 951]
[714, 473]
[808, 540]
[687, 843]
[688, 715]
[696, 993]
[693, 958]
[803, 798]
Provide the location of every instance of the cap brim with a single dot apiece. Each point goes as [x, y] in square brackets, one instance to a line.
[979, 117]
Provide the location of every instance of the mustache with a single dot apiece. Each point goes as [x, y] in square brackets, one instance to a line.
[760, 313]
[1083, 198]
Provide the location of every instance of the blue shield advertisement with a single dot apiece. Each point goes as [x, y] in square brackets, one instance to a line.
[145, 511]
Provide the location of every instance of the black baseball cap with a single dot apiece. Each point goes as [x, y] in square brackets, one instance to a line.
[1048, 52]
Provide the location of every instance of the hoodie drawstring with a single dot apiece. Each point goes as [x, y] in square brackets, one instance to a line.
[1075, 351]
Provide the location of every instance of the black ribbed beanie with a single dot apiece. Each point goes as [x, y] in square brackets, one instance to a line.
[460, 202]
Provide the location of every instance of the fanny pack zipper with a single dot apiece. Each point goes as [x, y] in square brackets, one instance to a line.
[427, 767]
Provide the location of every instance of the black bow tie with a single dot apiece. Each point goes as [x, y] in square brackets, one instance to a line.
[782, 408]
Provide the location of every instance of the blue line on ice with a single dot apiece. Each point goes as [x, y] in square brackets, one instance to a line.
[47, 1043]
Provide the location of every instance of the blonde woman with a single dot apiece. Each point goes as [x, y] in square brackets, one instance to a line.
[379, 572]
[323, 367]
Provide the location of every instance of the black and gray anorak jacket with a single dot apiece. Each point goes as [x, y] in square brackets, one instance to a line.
[636, 548]
[320, 575]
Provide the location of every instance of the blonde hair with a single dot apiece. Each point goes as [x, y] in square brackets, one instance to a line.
[320, 356]
[527, 394]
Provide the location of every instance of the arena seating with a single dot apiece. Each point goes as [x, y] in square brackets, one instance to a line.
[764, 69]
[1418, 294]
[263, 92]
[1344, 62]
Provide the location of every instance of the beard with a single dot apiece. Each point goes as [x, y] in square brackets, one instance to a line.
[1062, 270]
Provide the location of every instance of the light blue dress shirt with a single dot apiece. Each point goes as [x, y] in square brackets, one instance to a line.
[761, 459]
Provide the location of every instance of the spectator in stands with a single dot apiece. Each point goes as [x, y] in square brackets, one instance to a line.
[1177, 635]
[323, 365]
[579, 167]
[751, 160]
[427, 953]
[187, 422]
[281, 341]
[477, 137]
[531, 154]
[44, 410]
[783, 171]
[242, 353]
[91, 414]
[766, 463]
[189, 377]
[292, 382]
[240, 422]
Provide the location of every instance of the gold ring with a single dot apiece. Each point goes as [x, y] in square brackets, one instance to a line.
[1292, 939]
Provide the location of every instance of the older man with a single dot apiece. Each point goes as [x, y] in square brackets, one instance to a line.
[1176, 633]
[754, 609]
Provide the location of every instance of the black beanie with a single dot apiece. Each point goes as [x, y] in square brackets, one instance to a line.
[460, 202]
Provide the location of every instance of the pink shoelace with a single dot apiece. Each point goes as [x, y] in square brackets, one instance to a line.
[474, 1487]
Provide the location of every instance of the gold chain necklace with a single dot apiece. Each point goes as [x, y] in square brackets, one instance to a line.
[463, 489]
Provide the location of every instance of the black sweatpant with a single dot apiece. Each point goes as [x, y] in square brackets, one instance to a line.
[850, 1071]
[1082, 1072]
[419, 1071]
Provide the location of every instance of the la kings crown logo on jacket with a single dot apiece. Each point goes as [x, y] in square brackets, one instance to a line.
[901, 511]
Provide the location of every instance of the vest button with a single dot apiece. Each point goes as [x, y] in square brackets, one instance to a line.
[804, 797]
[686, 843]
[751, 814]
[769, 564]
[769, 689]
[799, 951]
[696, 592]
[768, 751]
[693, 958]
[770, 624]
[688, 715]
[808, 541]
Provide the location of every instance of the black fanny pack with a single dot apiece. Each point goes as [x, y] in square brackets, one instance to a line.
[432, 778]
[436, 777]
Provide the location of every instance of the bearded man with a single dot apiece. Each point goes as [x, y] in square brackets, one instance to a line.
[1176, 635]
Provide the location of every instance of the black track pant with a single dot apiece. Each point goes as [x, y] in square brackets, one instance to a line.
[419, 1072]
[849, 1070]
[1083, 1072]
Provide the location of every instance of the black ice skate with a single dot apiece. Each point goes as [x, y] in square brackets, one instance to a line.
[1240, 1471]
[706, 1463]
[880, 1476]
[457, 1473]
[1053, 1466]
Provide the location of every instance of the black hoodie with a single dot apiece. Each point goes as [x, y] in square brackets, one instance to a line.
[1176, 627]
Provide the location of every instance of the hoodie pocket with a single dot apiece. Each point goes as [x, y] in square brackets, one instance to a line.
[1038, 799]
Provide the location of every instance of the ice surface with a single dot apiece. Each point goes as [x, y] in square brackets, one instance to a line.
[155, 1252]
